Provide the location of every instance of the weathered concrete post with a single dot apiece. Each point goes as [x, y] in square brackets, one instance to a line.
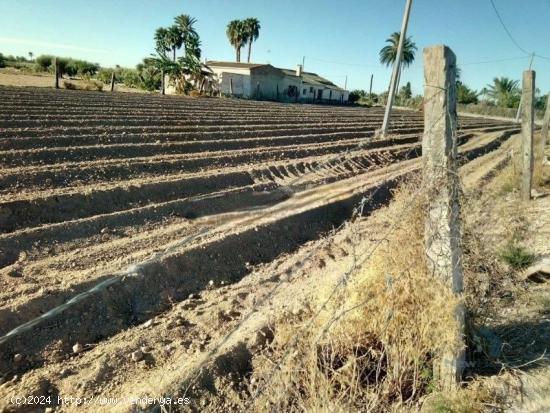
[231, 86]
[56, 72]
[258, 90]
[113, 81]
[527, 123]
[544, 130]
[277, 91]
[440, 174]
[162, 82]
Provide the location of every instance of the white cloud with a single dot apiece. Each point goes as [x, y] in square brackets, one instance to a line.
[30, 42]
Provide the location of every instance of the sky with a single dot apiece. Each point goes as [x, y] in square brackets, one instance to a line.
[339, 39]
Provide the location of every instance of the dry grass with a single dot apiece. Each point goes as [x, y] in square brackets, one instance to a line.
[83, 85]
[374, 346]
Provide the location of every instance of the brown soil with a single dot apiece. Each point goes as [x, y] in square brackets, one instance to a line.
[241, 193]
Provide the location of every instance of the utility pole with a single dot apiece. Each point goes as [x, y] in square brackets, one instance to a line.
[346, 83]
[518, 113]
[396, 67]
[370, 87]
[304, 63]
[527, 127]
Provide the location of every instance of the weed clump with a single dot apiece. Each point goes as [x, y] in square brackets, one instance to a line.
[516, 256]
[373, 347]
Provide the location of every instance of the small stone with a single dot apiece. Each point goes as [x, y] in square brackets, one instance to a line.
[191, 296]
[18, 358]
[78, 348]
[148, 323]
[145, 349]
[104, 230]
[15, 271]
[65, 372]
[211, 283]
[137, 355]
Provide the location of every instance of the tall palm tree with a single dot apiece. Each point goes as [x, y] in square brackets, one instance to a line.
[252, 29]
[237, 36]
[161, 40]
[174, 39]
[388, 54]
[185, 24]
[504, 91]
[31, 54]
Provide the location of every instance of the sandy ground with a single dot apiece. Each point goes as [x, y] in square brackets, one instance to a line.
[12, 77]
[209, 302]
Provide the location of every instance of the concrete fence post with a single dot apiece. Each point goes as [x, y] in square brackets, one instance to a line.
[231, 86]
[527, 123]
[56, 72]
[544, 130]
[440, 175]
[113, 81]
[162, 82]
[277, 91]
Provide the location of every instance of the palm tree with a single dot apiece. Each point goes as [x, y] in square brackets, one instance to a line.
[161, 40]
[185, 24]
[504, 91]
[252, 30]
[237, 36]
[31, 54]
[388, 54]
[174, 39]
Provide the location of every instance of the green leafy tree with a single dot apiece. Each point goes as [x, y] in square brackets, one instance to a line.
[504, 92]
[356, 95]
[2, 60]
[388, 54]
[237, 36]
[161, 40]
[406, 91]
[174, 39]
[185, 24]
[252, 32]
[465, 95]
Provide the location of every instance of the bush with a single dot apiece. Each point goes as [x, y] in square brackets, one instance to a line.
[67, 66]
[88, 85]
[2, 60]
[517, 256]
[43, 62]
[465, 95]
[104, 75]
[130, 78]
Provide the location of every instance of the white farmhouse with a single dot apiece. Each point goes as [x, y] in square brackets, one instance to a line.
[263, 81]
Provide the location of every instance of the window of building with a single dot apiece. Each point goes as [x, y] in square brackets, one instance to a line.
[304, 91]
[311, 89]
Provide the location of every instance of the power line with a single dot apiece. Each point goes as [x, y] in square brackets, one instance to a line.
[507, 59]
[340, 63]
[508, 31]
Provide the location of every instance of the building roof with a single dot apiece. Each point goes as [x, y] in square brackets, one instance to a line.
[309, 78]
[312, 79]
[234, 64]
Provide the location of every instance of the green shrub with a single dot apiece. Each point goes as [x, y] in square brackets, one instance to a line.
[43, 62]
[104, 75]
[516, 256]
[2, 60]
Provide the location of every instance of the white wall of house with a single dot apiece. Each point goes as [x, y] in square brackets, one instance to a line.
[237, 83]
[267, 82]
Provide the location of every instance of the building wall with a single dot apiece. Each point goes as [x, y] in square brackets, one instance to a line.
[267, 82]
